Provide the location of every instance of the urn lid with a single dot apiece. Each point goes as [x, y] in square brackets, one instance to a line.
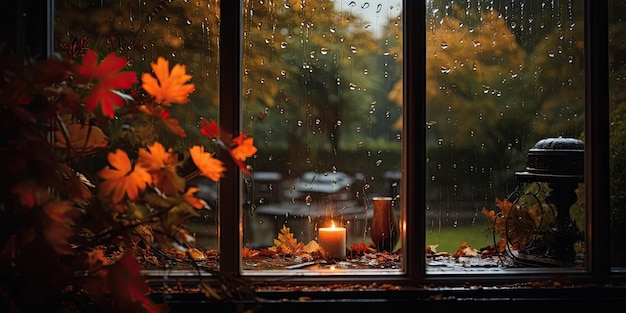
[554, 159]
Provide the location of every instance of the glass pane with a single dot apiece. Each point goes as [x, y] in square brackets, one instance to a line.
[505, 146]
[173, 225]
[617, 98]
[322, 98]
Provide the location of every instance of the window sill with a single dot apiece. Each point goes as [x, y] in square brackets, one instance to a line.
[344, 298]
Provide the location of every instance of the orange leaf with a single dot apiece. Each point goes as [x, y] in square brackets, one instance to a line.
[206, 163]
[192, 200]
[122, 179]
[244, 149]
[168, 87]
[162, 166]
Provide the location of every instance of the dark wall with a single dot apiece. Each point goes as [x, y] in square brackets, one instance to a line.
[24, 30]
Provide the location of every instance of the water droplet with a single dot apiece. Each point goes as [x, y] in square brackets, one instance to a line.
[324, 51]
[283, 45]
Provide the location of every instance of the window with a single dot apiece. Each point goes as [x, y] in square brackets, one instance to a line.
[347, 102]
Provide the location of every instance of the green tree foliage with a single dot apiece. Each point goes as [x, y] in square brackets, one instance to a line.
[310, 79]
[500, 76]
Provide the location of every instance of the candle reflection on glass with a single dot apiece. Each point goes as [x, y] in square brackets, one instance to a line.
[333, 241]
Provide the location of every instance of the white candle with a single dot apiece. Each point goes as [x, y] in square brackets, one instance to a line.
[333, 241]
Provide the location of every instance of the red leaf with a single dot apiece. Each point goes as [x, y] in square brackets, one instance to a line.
[210, 129]
[128, 288]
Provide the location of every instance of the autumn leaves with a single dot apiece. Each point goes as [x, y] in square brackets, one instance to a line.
[155, 165]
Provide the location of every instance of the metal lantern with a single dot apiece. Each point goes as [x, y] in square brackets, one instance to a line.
[557, 163]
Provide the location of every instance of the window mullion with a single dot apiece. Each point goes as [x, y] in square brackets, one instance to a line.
[597, 170]
[230, 120]
[414, 143]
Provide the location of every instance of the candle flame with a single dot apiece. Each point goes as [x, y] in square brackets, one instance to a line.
[332, 225]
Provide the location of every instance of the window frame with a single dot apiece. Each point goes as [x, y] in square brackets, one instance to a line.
[36, 35]
[596, 154]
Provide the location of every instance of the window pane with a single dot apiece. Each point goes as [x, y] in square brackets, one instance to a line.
[617, 98]
[182, 33]
[322, 97]
[501, 77]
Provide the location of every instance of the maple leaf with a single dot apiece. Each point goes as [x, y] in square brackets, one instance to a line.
[210, 128]
[195, 202]
[31, 194]
[249, 253]
[59, 225]
[167, 88]
[108, 78]
[239, 148]
[121, 178]
[163, 115]
[268, 252]
[66, 99]
[208, 165]
[162, 166]
[243, 149]
[360, 248]
[465, 250]
[312, 246]
[128, 288]
[286, 243]
[76, 185]
[80, 140]
[516, 225]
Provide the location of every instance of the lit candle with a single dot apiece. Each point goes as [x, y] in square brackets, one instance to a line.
[333, 241]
